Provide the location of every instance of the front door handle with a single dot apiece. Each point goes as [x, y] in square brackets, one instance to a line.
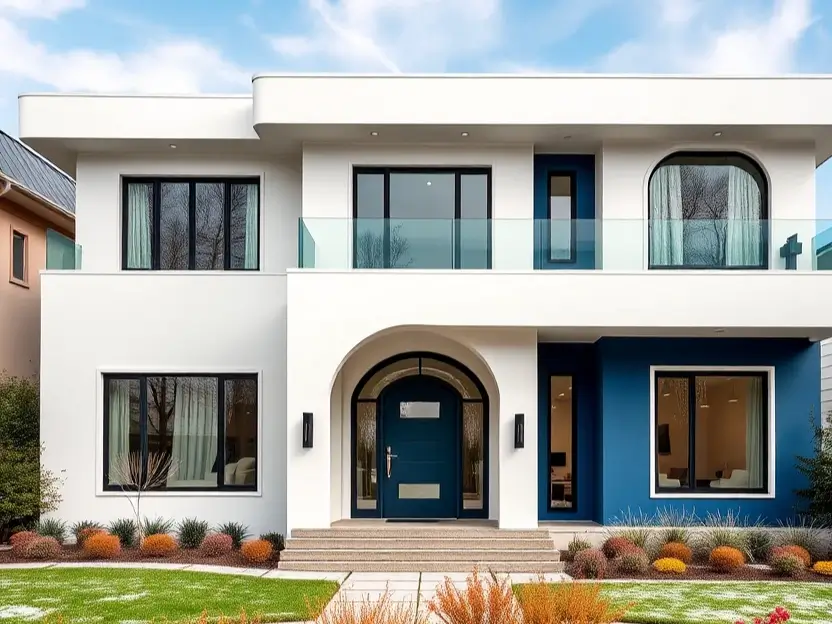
[390, 457]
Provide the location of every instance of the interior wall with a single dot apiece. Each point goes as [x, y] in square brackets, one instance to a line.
[561, 428]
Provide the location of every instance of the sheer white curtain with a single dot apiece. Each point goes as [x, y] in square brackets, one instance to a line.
[119, 421]
[138, 226]
[195, 430]
[754, 423]
[252, 191]
[743, 232]
[666, 227]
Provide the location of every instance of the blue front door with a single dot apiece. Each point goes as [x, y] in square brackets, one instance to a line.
[419, 453]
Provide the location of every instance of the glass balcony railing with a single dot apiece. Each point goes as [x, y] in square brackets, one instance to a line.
[582, 244]
[62, 253]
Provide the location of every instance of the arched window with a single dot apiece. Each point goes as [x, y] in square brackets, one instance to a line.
[708, 210]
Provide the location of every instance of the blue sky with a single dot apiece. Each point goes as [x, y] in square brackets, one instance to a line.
[215, 45]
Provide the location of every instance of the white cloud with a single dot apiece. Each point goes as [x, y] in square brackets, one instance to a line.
[43, 9]
[712, 37]
[392, 35]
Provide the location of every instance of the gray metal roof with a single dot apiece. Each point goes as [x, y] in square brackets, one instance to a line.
[28, 168]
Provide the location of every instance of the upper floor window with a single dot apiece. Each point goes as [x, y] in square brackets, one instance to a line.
[708, 210]
[191, 224]
[19, 261]
[422, 218]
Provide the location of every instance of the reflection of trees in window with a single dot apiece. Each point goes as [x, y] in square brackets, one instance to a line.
[369, 250]
[705, 211]
[210, 226]
[174, 233]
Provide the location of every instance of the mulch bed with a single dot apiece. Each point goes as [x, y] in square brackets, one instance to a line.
[183, 556]
[703, 573]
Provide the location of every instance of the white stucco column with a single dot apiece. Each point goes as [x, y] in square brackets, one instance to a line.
[512, 358]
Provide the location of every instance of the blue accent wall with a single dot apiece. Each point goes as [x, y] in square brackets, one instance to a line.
[624, 460]
[577, 360]
[583, 167]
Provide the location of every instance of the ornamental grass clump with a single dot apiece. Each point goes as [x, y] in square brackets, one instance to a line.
[237, 530]
[216, 545]
[726, 559]
[257, 551]
[482, 600]
[669, 565]
[676, 550]
[84, 534]
[80, 530]
[786, 564]
[275, 539]
[343, 610]
[616, 546]
[125, 529]
[102, 546]
[158, 545]
[191, 532]
[798, 551]
[42, 548]
[576, 603]
[52, 527]
[633, 561]
[588, 564]
[823, 567]
[575, 546]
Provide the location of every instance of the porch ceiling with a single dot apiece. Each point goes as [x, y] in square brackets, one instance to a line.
[593, 334]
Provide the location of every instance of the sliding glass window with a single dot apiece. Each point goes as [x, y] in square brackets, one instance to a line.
[180, 431]
[191, 224]
[429, 218]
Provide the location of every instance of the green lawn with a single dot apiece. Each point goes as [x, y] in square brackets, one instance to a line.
[723, 602]
[102, 595]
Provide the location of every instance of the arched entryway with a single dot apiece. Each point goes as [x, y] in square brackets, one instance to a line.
[431, 412]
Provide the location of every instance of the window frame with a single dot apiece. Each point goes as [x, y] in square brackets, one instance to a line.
[13, 279]
[142, 379]
[574, 445]
[573, 190]
[155, 217]
[725, 158]
[458, 172]
[766, 376]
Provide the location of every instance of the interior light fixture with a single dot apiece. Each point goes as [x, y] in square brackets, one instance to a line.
[465, 134]
[733, 398]
[665, 394]
[429, 182]
[562, 394]
[173, 145]
[717, 133]
[374, 133]
[704, 406]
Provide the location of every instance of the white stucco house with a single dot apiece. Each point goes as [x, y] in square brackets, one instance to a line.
[512, 298]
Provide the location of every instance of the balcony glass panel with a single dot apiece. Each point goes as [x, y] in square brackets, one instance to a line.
[62, 254]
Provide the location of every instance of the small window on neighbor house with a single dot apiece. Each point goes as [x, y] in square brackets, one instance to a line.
[19, 244]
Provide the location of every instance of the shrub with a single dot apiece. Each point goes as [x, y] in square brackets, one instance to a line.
[237, 530]
[481, 600]
[53, 527]
[216, 544]
[125, 529]
[798, 551]
[78, 527]
[786, 564]
[778, 616]
[85, 534]
[676, 550]
[726, 559]
[157, 526]
[590, 564]
[102, 546]
[760, 542]
[823, 567]
[547, 603]
[257, 551]
[633, 561]
[669, 565]
[158, 545]
[21, 538]
[715, 537]
[616, 546]
[42, 548]
[575, 546]
[808, 535]
[191, 532]
[817, 469]
[675, 535]
[276, 540]
[637, 535]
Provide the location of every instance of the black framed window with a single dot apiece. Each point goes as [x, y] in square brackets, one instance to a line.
[422, 218]
[711, 432]
[185, 224]
[205, 426]
[563, 444]
[20, 243]
[708, 210]
[563, 213]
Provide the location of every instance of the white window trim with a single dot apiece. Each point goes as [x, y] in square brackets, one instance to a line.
[772, 456]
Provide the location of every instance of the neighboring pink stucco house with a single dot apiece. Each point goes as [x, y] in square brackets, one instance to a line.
[37, 220]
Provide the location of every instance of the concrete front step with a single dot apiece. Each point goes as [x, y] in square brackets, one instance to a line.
[392, 531]
[422, 566]
[432, 543]
[445, 555]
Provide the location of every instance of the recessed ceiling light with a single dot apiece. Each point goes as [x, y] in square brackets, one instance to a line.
[465, 134]
[173, 145]
[717, 133]
[429, 182]
[374, 133]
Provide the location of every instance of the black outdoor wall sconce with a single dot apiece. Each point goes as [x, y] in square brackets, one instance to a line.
[307, 430]
[519, 431]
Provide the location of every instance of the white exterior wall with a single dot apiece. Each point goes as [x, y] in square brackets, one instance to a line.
[103, 320]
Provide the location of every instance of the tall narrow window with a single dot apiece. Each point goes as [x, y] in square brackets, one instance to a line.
[562, 216]
[562, 436]
[708, 211]
[19, 268]
[711, 432]
[189, 224]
